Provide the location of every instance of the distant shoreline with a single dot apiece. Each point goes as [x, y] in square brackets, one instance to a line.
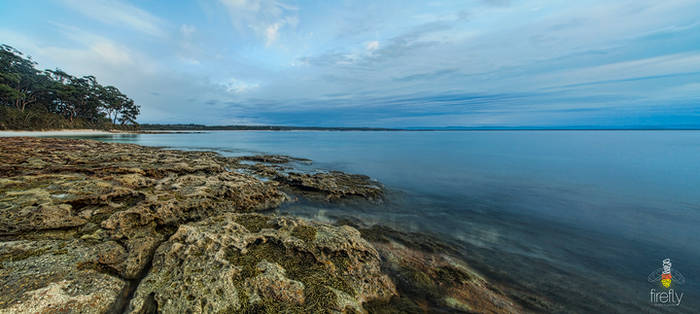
[146, 128]
[95, 132]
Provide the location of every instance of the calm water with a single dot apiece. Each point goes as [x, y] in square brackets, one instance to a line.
[579, 216]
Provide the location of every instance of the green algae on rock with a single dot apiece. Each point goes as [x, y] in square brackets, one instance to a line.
[429, 275]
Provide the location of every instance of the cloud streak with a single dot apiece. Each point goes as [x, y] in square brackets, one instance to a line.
[119, 13]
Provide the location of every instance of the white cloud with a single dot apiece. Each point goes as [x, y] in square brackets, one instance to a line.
[187, 30]
[114, 12]
[266, 18]
[237, 86]
[271, 33]
[372, 45]
[85, 53]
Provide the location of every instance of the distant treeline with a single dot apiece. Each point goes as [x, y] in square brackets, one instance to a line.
[32, 99]
[200, 127]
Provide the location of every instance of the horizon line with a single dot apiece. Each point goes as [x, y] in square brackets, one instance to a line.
[204, 127]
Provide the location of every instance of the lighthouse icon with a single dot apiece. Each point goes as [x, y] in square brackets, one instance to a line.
[666, 275]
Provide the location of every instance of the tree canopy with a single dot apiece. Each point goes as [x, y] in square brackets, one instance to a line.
[27, 92]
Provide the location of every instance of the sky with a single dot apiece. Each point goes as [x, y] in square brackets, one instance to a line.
[478, 63]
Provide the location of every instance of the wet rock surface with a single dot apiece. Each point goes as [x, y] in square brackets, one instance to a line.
[94, 227]
[431, 277]
[273, 159]
[333, 186]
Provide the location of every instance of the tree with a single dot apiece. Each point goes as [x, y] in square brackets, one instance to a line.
[129, 112]
[56, 92]
[112, 102]
[19, 80]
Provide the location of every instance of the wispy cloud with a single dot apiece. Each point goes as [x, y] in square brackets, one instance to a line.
[119, 13]
[372, 45]
[237, 86]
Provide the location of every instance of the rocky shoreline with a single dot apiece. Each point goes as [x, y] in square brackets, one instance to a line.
[94, 227]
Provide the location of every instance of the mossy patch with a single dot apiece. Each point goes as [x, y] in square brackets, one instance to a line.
[318, 278]
[396, 304]
[254, 223]
[453, 275]
[22, 255]
[419, 290]
[306, 233]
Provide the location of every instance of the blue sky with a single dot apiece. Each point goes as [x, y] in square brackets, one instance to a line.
[379, 63]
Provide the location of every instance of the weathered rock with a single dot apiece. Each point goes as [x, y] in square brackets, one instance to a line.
[57, 276]
[273, 284]
[40, 202]
[251, 262]
[328, 186]
[333, 185]
[131, 194]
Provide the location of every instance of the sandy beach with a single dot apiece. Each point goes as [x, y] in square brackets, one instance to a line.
[76, 132]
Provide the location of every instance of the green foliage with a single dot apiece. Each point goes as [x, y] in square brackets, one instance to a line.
[54, 99]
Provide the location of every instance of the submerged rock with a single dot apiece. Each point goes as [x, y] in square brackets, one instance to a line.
[430, 276]
[273, 159]
[333, 185]
[250, 262]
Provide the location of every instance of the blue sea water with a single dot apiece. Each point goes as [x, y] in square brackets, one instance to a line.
[580, 217]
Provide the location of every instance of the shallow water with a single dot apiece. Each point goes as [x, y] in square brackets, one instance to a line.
[581, 217]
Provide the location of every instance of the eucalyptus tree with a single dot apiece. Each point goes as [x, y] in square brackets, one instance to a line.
[129, 112]
[20, 81]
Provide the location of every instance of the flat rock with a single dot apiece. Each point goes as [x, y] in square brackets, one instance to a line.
[57, 276]
[131, 194]
[333, 185]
